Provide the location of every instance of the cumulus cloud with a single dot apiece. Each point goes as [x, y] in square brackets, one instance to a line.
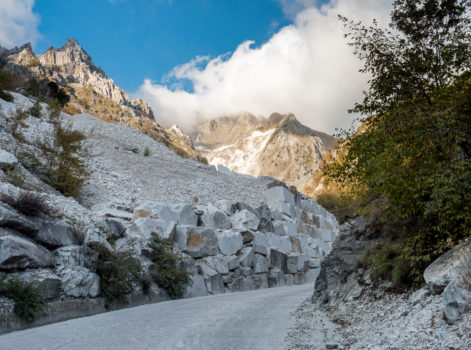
[18, 23]
[305, 68]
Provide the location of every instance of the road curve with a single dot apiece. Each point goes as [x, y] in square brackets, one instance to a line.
[249, 320]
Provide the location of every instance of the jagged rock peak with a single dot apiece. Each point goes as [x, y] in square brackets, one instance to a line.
[71, 44]
[6, 52]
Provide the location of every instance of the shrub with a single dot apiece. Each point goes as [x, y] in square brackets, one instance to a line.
[6, 96]
[28, 297]
[119, 271]
[167, 269]
[27, 203]
[63, 168]
[36, 110]
[388, 261]
[17, 121]
[146, 152]
[134, 150]
[15, 176]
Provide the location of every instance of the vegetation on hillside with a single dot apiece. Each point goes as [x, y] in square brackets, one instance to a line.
[167, 268]
[413, 148]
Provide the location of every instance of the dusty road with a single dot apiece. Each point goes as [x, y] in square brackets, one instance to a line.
[251, 320]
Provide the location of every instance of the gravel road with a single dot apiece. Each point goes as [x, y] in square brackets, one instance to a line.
[251, 320]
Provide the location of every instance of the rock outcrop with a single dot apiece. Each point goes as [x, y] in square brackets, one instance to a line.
[279, 146]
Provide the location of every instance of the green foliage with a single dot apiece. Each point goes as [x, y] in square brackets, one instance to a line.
[15, 176]
[64, 169]
[167, 269]
[36, 110]
[28, 297]
[134, 150]
[119, 271]
[413, 146]
[7, 80]
[27, 203]
[17, 122]
[388, 261]
[146, 152]
[6, 96]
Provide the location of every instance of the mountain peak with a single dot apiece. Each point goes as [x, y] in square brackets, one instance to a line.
[71, 44]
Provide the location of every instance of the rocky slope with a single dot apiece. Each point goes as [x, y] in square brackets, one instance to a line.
[236, 232]
[280, 146]
[90, 90]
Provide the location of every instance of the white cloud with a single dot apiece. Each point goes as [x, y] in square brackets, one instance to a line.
[305, 68]
[292, 7]
[18, 23]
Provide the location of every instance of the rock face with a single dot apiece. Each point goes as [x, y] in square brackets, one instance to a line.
[279, 146]
[17, 253]
[338, 280]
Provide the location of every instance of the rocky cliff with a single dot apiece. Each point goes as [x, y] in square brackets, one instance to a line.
[90, 90]
[278, 146]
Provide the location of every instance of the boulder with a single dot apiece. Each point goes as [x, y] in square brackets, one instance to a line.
[247, 236]
[230, 242]
[144, 227]
[12, 219]
[50, 283]
[261, 264]
[196, 241]
[198, 288]
[94, 236]
[285, 209]
[276, 278]
[261, 249]
[17, 253]
[223, 170]
[263, 212]
[457, 299]
[261, 239]
[245, 219]
[114, 228]
[281, 243]
[225, 206]
[73, 255]
[279, 194]
[278, 260]
[79, 282]
[266, 225]
[186, 215]
[212, 278]
[54, 235]
[216, 219]
[247, 257]
[419, 296]
[219, 263]
[233, 262]
[447, 267]
[300, 278]
[292, 262]
[285, 228]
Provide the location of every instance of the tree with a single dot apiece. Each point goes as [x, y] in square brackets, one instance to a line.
[414, 140]
[64, 169]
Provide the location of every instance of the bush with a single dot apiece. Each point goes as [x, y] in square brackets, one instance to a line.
[119, 271]
[388, 261]
[146, 152]
[63, 168]
[27, 203]
[28, 297]
[6, 96]
[17, 121]
[36, 110]
[167, 269]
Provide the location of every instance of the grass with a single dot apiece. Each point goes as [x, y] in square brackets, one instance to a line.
[27, 203]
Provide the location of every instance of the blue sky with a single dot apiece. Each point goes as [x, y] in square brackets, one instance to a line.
[218, 57]
[136, 39]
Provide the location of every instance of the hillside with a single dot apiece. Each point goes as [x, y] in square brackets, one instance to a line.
[278, 146]
[88, 90]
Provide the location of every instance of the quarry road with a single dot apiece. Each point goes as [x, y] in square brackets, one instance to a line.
[252, 320]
